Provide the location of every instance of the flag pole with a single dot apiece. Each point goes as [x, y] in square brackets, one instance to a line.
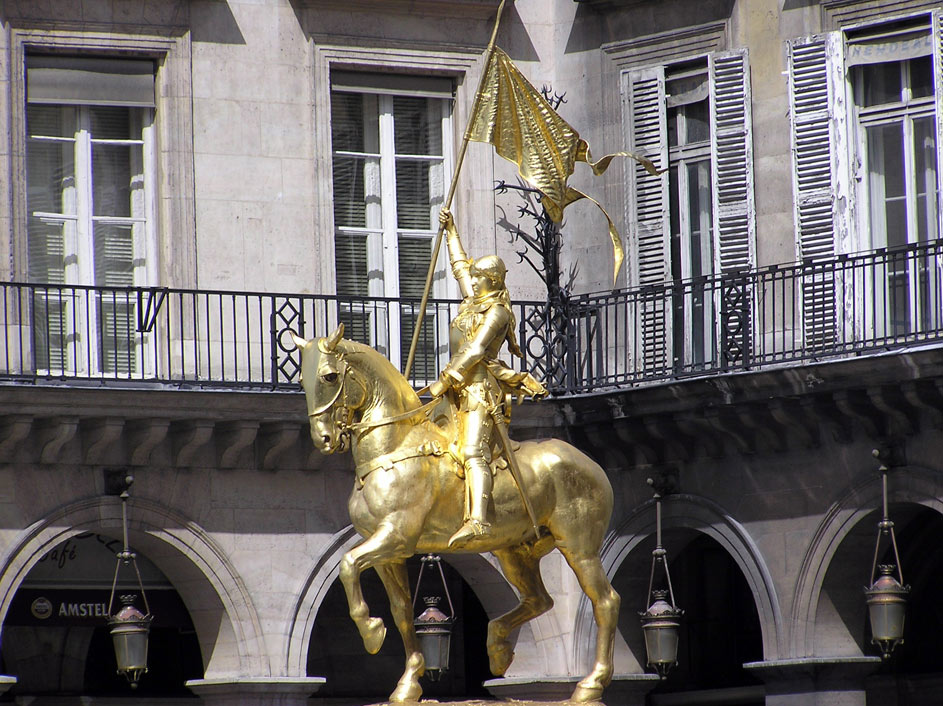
[452, 187]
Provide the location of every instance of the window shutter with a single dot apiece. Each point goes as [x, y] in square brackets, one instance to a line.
[732, 185]
[648, 214]
[938, 92]
[813, 95]
[732, 160]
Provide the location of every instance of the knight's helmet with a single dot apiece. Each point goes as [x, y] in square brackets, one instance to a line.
[492, 267]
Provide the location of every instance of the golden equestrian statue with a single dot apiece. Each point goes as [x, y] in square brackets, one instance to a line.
[409, 495]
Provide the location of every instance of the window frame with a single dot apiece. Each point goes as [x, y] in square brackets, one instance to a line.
[463, 67]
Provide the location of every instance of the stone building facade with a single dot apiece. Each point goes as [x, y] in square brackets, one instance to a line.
[183, 180]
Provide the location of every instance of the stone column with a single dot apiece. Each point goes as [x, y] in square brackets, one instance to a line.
[255, 691]
[815, 681]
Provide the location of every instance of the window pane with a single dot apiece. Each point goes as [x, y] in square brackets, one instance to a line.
[117, 332]
[112, 123]
[46, 250]
[117, 179]
[50, 120]
[414, 255]
[357, 192]
[417, 125]
[699, 203]
[419, 193]
[353, 127]
[925, 167]
[921, 77]
[350, 257]
[882, 83]
[50, 170]
[697, 122]
[888, 195]
[673, 127]
[114, 255]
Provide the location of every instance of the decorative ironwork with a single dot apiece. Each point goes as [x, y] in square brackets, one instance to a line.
[578, 343]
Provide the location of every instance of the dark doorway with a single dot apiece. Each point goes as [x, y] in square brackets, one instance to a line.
[56, 640]
[720, 630]
[336, 651]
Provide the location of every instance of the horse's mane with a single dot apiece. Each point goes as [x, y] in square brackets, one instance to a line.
[380, 368]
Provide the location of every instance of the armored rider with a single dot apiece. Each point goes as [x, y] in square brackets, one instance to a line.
[479, 385]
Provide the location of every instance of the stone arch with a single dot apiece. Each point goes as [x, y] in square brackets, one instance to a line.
[481, 572]
[910, 485]
[699, 514]
[225, 620]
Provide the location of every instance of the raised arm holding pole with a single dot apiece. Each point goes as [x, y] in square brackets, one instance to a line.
[451, 194]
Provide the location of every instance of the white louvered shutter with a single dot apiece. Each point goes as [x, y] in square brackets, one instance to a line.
[734, 212]
[938, 92]
[813, 95]
[732, 160]
[648, 214]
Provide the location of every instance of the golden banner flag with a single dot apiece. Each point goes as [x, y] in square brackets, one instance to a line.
[514, 117]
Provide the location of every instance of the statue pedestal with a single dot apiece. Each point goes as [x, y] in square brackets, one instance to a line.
[256, 691]
[625, 690]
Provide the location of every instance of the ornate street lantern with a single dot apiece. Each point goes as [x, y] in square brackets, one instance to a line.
[886, 596]
[661, 623]
[129, 626]
[433, 627]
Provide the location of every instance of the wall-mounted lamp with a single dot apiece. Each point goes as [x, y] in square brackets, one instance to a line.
[661, 623]
[129, 626]
[433, 627]
[886, 596]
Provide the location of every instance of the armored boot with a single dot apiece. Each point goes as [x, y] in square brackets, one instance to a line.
[479, 482]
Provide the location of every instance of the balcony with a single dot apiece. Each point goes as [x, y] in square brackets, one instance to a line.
[784, 315]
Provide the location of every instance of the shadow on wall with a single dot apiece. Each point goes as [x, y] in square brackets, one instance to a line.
[592, 27]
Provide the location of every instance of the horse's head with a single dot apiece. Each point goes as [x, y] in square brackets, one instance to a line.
[331, 391]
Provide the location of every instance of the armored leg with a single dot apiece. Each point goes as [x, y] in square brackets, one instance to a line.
[478, 481]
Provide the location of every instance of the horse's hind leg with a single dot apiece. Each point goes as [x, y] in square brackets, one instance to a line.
[521, 566]
[595, 584]
[396, 581]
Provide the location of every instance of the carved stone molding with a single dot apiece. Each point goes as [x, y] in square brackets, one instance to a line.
[54, 433]
[232, 438]
[13, 430]
[190, 437]
[99, 437]
[144, 435]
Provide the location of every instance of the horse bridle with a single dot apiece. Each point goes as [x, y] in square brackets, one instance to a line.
[344, 424]
[343, 414]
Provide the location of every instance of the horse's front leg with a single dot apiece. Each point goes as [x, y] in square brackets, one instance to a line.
[385, 545]
[396, 581]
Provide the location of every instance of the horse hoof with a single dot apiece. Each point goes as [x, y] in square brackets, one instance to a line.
[586, 694]
[373, 635]
[500, 656]
[406, 693]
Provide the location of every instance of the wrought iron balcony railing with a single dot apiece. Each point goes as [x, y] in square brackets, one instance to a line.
[785, 314]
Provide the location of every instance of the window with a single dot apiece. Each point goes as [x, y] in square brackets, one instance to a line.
[691, 218]
[390, 143]
[88, 157]
[695, 220]
[865, 118]
[896, 131]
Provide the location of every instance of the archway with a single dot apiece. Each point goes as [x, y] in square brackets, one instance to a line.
[912, 675]
[226, 624]
[336, 650]
[56, 640]
[538, 649]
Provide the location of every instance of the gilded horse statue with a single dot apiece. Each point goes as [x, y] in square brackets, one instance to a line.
[408, 498]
